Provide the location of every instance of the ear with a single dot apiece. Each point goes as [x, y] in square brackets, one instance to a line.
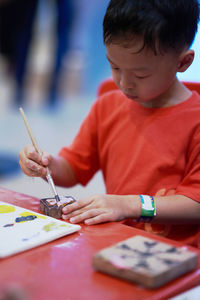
[185, 60]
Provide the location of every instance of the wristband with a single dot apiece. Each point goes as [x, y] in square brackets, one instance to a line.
[148, 208]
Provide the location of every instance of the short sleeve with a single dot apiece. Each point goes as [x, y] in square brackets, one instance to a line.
[82, 154]
[190, 184]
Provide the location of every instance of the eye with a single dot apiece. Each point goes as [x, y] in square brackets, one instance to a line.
[142, 77]
[114, 68]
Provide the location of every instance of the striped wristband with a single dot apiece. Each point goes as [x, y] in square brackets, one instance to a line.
[148, 208]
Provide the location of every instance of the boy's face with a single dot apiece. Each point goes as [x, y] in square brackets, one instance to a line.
[143, 76]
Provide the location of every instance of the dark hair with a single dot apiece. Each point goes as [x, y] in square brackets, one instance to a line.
[163, 24]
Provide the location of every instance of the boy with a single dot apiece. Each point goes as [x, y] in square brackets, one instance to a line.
[145, 137]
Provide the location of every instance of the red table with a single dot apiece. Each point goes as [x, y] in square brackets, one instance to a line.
[62, 269]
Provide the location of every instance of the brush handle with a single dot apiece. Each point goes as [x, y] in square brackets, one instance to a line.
[29, 131]
[48, 176]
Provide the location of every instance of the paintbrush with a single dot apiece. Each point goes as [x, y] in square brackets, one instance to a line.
[48, 176]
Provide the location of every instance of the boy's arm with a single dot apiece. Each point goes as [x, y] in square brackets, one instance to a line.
[62, 172]
[176, 209]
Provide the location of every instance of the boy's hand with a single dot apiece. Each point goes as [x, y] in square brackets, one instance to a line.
[102, 208]
[32, 164]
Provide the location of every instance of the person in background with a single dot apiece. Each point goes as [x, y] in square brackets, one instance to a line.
[16, 32]
[145, 136]
[17, 20]
[65, 13]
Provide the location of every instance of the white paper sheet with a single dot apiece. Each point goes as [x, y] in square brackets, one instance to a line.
[22, 229]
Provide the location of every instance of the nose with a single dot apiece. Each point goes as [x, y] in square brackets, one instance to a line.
[126, 81]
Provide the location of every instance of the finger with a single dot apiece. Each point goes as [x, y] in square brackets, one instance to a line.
[76, 206]
[85, 215]
[31, 154]
[72, 214]
[77, 212]
[46, 158]
[27, 171]
[42, 158]
[102, 218]
[32, 169]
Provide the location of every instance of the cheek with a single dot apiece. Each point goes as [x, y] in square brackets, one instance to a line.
[148, 88]
[164, 77]
[154, 87]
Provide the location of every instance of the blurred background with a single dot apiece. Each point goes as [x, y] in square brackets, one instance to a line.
[52, 59]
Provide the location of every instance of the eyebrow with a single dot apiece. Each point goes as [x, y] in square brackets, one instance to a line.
[135, 69]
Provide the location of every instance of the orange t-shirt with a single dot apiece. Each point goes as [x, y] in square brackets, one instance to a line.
[140, 150]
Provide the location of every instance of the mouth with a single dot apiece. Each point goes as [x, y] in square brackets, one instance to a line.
[131, 96]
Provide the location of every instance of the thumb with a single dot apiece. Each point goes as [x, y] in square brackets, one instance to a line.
[46, 158]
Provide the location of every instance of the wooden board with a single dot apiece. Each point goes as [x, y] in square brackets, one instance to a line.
[145, 261]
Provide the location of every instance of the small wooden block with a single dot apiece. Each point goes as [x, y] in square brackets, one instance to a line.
[52, 208]
[145, 261]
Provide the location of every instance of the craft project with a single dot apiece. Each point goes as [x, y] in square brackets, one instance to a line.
[53, 208]
[145, 261]
[22, 229]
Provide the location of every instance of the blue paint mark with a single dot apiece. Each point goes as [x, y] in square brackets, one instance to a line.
[24, 219]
